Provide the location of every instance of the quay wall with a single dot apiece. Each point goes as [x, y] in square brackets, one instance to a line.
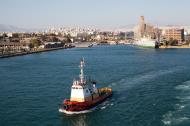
[32, 52]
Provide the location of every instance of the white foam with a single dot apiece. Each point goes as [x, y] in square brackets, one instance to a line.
[78, 112]
[172, 118]
[183, 87]
[103, 107]
[180, 120]
[167, 118]
[179, 114]
[167, 122]
[180, 107]
[130, 82]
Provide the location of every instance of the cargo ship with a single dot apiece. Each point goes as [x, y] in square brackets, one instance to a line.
[84, 95]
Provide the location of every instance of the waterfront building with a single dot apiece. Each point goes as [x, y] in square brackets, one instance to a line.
[187, 37]
[144, 29]
[52, 45]
[9, 34]
[10, 47]
[174, 34]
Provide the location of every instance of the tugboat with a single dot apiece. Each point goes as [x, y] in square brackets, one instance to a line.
[84, 95]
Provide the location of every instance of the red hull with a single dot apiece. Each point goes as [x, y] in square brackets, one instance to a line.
[72, 106]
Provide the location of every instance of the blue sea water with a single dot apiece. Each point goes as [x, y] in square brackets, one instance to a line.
[151, 87]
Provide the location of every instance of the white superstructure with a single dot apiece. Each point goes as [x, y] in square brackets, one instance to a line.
[80, 90]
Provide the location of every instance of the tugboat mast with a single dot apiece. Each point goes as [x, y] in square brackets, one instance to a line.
[81, 76]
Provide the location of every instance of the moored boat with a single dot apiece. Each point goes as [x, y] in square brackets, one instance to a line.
[83, 44]
[84, 95]
[147, 43]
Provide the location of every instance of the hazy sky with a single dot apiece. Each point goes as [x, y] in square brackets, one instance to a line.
[100, 13]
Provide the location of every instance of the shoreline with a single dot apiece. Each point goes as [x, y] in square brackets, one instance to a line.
[53, 49]
[175, 47]
[32, 52]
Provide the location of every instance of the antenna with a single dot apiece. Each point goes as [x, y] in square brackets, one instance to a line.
[81, 70]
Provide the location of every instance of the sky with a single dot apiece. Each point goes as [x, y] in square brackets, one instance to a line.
[95, 13]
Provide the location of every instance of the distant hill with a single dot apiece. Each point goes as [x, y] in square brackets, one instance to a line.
[129, 27]
[10, 28]
[120, 28]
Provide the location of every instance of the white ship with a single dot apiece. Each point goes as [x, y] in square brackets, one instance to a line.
[147, 43]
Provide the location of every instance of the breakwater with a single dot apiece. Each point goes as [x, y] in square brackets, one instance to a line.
[32, 52]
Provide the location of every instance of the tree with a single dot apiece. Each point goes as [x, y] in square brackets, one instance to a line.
[4, 35]
[35, 42]
[43, 38]
[188, 42]
[15, 35]
[54, 39]
[1, 50]
[172, 42]
[68, 38]
[31, 45]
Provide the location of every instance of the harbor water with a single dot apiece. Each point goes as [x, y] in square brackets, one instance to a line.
[150, 87]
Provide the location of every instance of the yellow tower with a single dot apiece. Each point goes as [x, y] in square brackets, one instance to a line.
[142, 26]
